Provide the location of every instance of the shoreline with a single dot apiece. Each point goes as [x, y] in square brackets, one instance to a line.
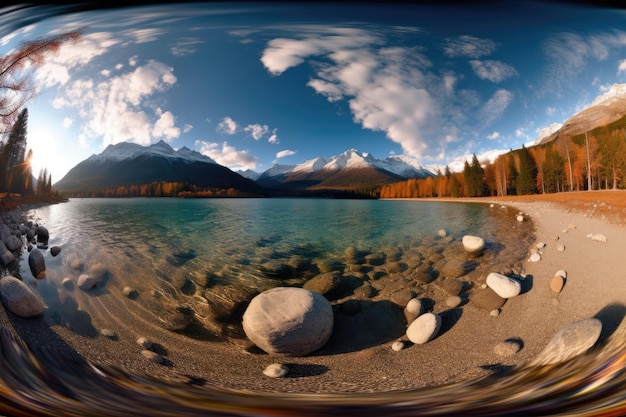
[592, 289]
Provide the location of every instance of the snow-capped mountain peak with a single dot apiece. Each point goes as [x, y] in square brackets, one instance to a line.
[126, 150]
[615, 93]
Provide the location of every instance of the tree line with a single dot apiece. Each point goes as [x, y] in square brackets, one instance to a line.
[592, 160]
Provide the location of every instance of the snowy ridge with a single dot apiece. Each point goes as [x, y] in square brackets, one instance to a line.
[126, 150]
[351, 159]
[617, 92]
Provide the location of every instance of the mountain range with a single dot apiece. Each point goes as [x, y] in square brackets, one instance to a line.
[126, 164]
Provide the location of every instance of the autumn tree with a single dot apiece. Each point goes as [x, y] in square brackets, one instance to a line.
[16, 85]
[612, 149]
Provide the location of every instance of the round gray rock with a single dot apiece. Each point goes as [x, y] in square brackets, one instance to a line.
[473, 244]
[276, 370]
[424, 328]
[19, 298]
[86, 282]
[288, 321]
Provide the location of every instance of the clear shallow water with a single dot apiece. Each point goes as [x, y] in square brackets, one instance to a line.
[184, 253]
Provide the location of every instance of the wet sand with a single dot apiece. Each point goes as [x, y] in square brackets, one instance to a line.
[463, 350]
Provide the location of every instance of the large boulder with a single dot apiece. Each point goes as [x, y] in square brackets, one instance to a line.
[19, 299]
[37, 264]
[42, 235]
[14, 243]
[6, 256]
[424, 328]
[288, 321]
[505, 287]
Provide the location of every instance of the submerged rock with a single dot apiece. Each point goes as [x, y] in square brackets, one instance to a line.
[86, 282]
[288, 321]
[487, 299]
[19, 299]
[328, 284]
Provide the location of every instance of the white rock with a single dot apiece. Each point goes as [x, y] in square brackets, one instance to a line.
[424, 328]
[412, 310]
[495, 313]
[541, 245]
[397, 346]
[560, 247]
[442, 233]
[473, 244]
[453, 301]
[288, 321]
[67, 282]
[598, 237]
[108, 333]
[144, 342]
[520, 218]
[491, 205]
[19, 298]
[153, 356]
[276, 370]
[535, 257]
[505, 287]
[561, 273]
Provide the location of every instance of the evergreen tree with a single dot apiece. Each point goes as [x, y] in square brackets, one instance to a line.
[513, 174]
[554, 170]
[13, 156]
[474, 178]
[527, 177]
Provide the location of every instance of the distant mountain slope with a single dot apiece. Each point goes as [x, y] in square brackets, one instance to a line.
[127, 164]
[605, 109]
[349, 170]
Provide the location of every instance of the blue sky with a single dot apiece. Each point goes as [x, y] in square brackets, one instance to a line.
[253, 84]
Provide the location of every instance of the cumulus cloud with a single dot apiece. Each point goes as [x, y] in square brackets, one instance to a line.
[227, 155]
[495, 106]
[494, 71]
[143, 35]
[621, 67]
[468, 46]
[550, 110]
[185, 46]
[187, 128]
[285, 153]
[228, 126]
[256, 130]
[67, 122]
[114, 108]
[132, 61]
[493, 136]
[274, 137]
[57, 67]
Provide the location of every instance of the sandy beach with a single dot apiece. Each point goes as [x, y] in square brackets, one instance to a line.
[595, 287]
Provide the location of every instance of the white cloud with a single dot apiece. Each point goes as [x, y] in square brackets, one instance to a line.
[105, 72]
[119, 66]
[57, 67]
[495, 106]
[144, 35]
[67, 122]
[274, 137]
[228, 126]
[493, 136]
[114, 108]
[227, 155]
[285, 153]
[494, 71]
[132, 61]
[185, 46]
[621, 67]
[468, 46]
[256, 130]
[550, 110]
[187, 128]
[520, 132]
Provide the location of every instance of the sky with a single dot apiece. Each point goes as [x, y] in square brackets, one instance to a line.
[255, 84]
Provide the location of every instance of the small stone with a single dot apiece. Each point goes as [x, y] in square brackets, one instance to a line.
[573, 340]
[561, 273]
[153, 356]
[86, 282]
[424, 328]
[76, 264]
[144, 342]
[556, 285]
[276, 370]
[98, 272]
[473, 244]
[442, 233]
[129, 292]
[397, 346]
[494, 313]
[598, 237]
[560, 247]
[453, 301]
[507, 348]
[67, 282]
[541, 245]
[55, 250]
[520, 218]
[505, 287]
[571, 227]
[535, 257]
[412, 310]
[108, 333]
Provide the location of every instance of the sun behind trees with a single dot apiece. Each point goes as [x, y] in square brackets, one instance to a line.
[16, 89]
[590, 161]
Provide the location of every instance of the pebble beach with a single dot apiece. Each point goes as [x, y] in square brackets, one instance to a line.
[471, 342]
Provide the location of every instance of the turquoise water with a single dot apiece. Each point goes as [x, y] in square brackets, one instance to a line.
[182, 252]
